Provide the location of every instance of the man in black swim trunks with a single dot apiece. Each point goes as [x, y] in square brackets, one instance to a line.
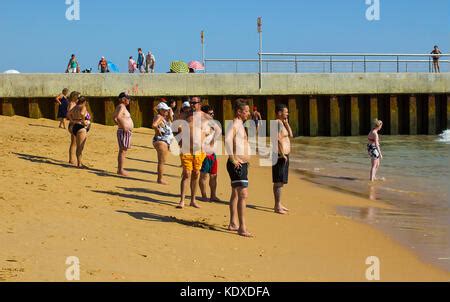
[280, 171]
[238, 150]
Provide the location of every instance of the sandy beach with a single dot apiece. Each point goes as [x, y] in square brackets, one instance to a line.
[128, 229]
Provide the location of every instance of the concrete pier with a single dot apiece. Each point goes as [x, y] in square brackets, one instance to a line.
[319, 104]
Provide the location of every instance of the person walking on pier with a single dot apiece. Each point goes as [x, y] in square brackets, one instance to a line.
[141, 61]
[103, 65]
[238, 150]
[122, 118]
[150, 63]
[436, 51]
[373, 148]
[63, 104]
[280, 171]
[131, 65]
[73, 66]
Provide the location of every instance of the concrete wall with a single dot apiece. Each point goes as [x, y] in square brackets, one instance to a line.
[110, 85]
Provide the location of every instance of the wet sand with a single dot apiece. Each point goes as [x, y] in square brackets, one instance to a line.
[128, 229]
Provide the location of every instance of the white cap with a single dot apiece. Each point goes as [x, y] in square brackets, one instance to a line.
[186, 104]
[162, 106]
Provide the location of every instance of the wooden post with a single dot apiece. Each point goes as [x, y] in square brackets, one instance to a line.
[393, 106]
[270, 113]
[412, 115]
[373, 108]
[109, 111]
[335, 116]
[313, 116]
[432, 114]
[33, 109]
[136, 113]
[354, 116]
[228, 113]
[7, 107]
[293, 115]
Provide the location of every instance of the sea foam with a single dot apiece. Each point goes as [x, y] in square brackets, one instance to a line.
[444, 136]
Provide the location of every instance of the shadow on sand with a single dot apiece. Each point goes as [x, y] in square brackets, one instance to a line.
[55, 162]
[152, 162]
[151, 172]
[189, 223]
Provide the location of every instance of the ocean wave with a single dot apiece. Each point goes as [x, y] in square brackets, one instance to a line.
[444, 136]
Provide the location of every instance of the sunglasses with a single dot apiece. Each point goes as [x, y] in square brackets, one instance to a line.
[194, 103]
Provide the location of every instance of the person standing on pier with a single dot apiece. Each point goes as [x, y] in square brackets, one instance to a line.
[373, 148]
[122, 118]
[436, 51]
[150, 63]
[141, 61]
[103, 65]
[280, 171]
[73, 66]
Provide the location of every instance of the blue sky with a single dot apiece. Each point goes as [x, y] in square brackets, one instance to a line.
[36, 37]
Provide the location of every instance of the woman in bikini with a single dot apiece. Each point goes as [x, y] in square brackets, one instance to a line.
[73, 99]
[373, 148]
[80, 119]
[163, 138]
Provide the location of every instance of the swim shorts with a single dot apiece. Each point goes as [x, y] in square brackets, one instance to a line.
[124, 139]
[210, 164]
[238, 176]
[280, 171]
[192, 162]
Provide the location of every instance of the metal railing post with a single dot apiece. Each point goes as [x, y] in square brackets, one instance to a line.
[331, 64]
[398, 64]
[365, 67]
[296, 67]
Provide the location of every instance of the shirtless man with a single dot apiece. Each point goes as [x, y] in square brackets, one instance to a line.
[192, 156]
[238, 150]
[280, 171]
[123, 119]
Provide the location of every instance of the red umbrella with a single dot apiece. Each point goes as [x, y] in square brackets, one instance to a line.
[196, 65]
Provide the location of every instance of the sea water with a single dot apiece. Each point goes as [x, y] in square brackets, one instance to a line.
[414, 172]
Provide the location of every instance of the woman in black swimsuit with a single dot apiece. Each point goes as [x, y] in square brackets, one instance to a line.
[373, 148]
[80, 120]
[73, 99]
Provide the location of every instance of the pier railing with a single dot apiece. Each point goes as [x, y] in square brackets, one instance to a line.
[330, 63]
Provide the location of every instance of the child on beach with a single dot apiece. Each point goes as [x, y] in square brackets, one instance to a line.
[373, 148]
[63, 104]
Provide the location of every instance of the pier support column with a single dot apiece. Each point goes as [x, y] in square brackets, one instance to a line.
[109, 111]
[354, 116]
[136, 113]
[228, 114]
[448, 111]
[335, 116]
[431, 114]
[33, 109]
[270, 113]
[293, 115]
[7, 107]
[393, 108]
[313, 116]
[412, 115]
[373, 108]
